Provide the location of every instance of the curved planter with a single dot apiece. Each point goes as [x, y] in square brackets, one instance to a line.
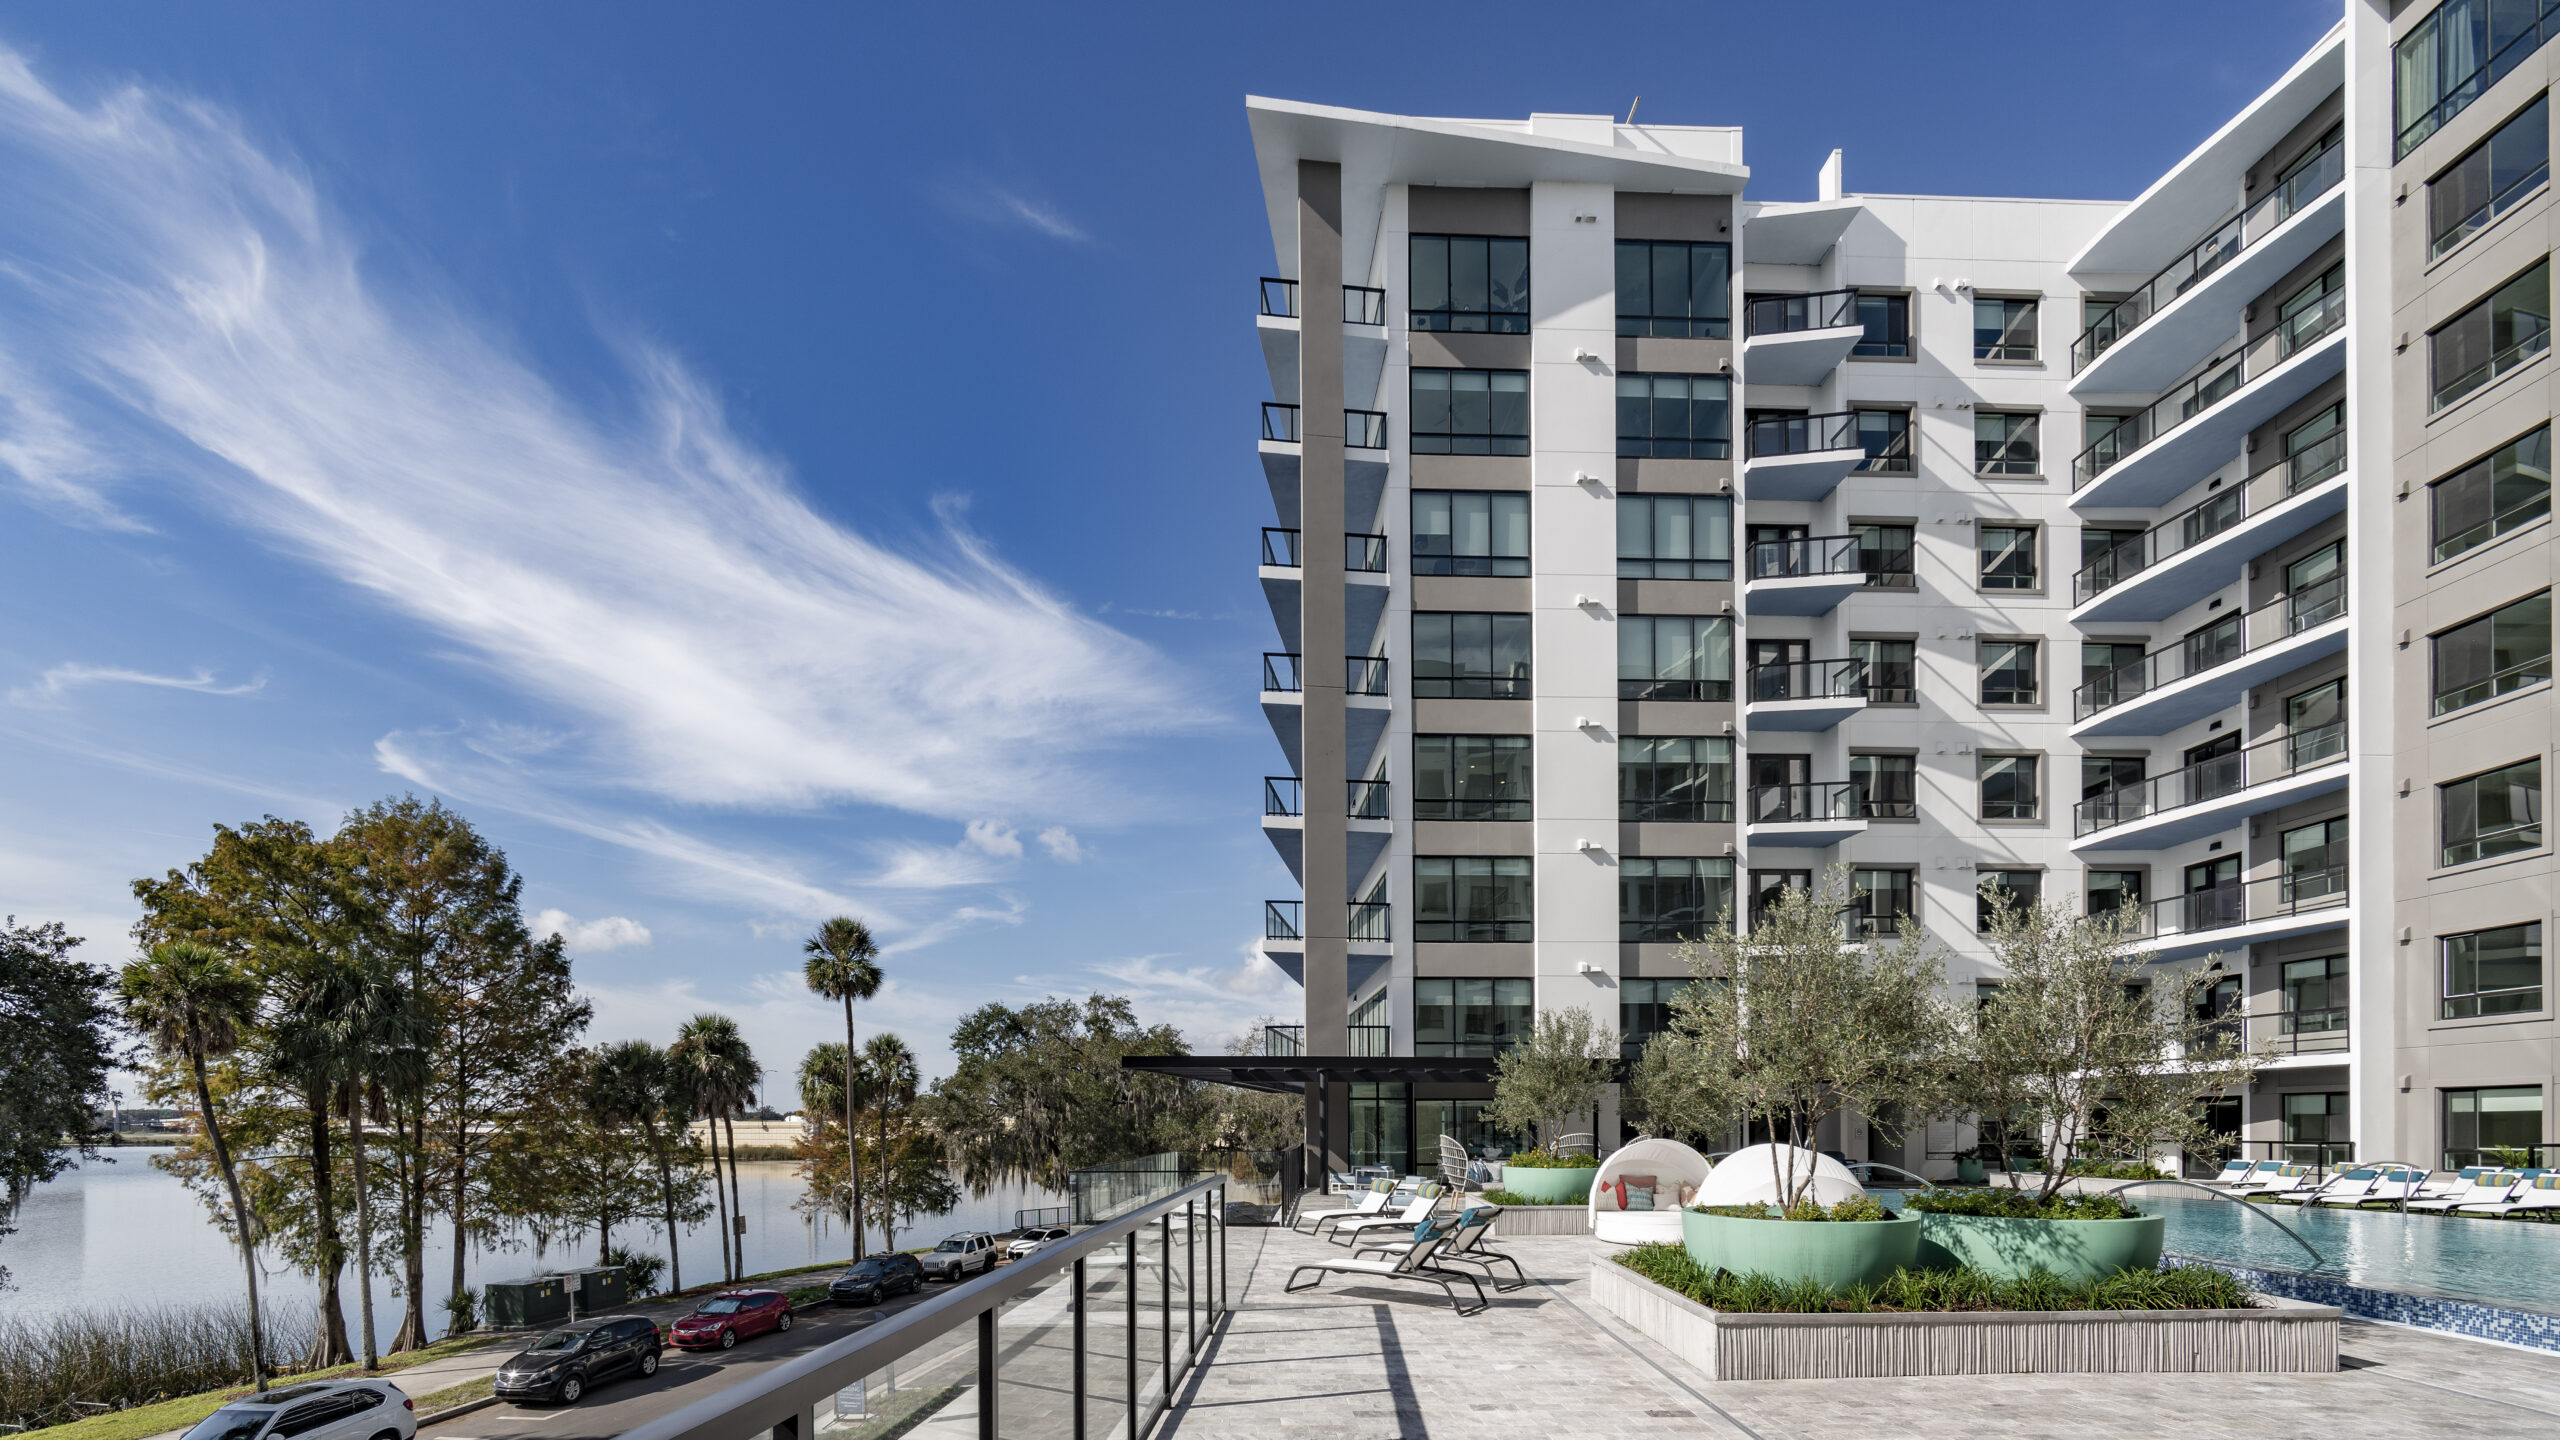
[1549, 1187]
[2013, 1248]
[1836, 1253]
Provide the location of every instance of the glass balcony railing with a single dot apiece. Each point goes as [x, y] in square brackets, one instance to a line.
[2215, 515]
[1802, 804]
[1810, 557]
[2228, 239]
[1366, 553]
[2208, 780]
[1362, 674]
[2219, 379]
[2238, 902]
[1786, 314]
[1369, 920]
[2213, 647]
[1283, 919]
[1284, 1040]
[2301, 1032]
[1367, 1040]
[1775, 435]
[1809, 680]
[1361, 304]
[1361, 429]
[1279, 422]
[1283, 795]
[1367, 800]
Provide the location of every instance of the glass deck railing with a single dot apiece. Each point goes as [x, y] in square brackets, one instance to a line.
[1803, 804]
[1809, 680]
[1365, 553]
[2238, 902]
[2216, 514]
[1361, 429]
[1774, 435]
[1786, 314]
[1809, 557]
[2213, 647]
[1361, 304]
[1362, 674]
[2218, 380]
[2219, 778]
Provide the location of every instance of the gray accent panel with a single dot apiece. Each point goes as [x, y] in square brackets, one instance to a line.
[1472, 717]
[1677, 477]
[1674, 217]
[1471, 592]
[1435, 210]
[1651, 961]
[1441, 349]
[1471, 472]
[1677, 717]
[1673, 355]
[1500, 961]
[1665, 837]
[1473, 837]
[1677, 597]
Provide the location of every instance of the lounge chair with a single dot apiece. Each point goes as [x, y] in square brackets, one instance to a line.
[1348, 1231]
[2367, 1182]
[2491, 1189]
[1466, 1247]
[1671, 1170]
[2235, 1171]
[1371, 1201]
[2539, 1192]
[2286, 1180]
[1413, 1264]
[2260, 1174]
[2454, 1185]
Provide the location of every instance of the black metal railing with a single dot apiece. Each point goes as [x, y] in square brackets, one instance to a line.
[2301, 1032]
[1359, 552]
[1279, 422]
[1283, 795]
[2214, 647]
[1367, 1040]
[1774, 435]
[1279, 548]
[1801, 804]
[1370, 919]
[1483, 1047]
[1808, 557]
[1366, 800]
[2505, 1157]
[1362, 674]
[1284, 1039]
[1280, 672]
[1279, 297]
[2322, 1156]
[1088, 1337]
[2207, 780]
[1284, 919]
[1891, 456]
[1809, 680]
[1786, 314]
[1361, 429]
[2209, 254]
[1361, 304]
[2238, 902]
[2218, 380]
[2216, 514]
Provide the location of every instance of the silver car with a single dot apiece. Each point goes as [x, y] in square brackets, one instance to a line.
[971, 1252]
[322, 1410]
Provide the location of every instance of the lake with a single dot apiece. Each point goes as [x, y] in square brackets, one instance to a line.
[116, 1231]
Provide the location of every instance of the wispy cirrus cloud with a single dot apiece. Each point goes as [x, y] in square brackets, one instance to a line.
[54, 683]
[991, 203]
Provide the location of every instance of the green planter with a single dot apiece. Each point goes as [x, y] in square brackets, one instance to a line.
[1549, 1187]
[1836, 1253]
[1969, 1169]
[2012, 1248]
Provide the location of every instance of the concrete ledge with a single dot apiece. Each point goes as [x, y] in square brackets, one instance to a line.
[2290, 1338]
[1519, 1221]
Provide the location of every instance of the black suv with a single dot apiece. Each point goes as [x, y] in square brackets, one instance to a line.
[876, 1278]
[565, 1363]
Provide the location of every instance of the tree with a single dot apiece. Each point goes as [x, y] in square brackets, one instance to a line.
[1653, 1101]
[189, 1001]
[822, 1077]
[720, 1074]
[566, 1164]
[633, 1084]
[843, 964]
[2086, 1043]
[1039, 1090]
[55, 1051]
[1793, 1023]
[1549, 1082]
[364, 1032]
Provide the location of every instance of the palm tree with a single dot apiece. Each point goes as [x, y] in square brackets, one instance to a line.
[632, 1086]
[889, 1070]
[723, 1071]
[693, 1076]
[843, 964]
[188, 1000]
[821, 1085]
[363, 1023]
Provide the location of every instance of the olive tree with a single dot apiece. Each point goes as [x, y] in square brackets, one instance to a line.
[1555, 1076]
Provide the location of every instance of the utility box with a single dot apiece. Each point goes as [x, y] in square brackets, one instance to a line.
[599, 1290]
[528, 1303]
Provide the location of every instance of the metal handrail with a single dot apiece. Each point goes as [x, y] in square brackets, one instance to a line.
[1283, 795]
[2219, 907]
[1284, 919]
[1773, 435]
[2217, 380]
[1364, 429]
[1279, 297]
[1787, 314]
[1364, 305]
[1366, 553]
[1366, 800]
[1801, 803]
[2215, 779]
[1280, 422]
[1807, 556]
[2200, 653]
[2317, 1259]
[1809, 680]
[2216, 514]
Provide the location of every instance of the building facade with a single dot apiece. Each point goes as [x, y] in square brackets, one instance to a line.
[1685, 546]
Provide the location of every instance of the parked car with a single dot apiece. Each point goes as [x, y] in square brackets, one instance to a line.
[731, 1316]
[1032, 1239]
[570, 1361]
[876, 1278]
[323, 1410]
[960, 1256]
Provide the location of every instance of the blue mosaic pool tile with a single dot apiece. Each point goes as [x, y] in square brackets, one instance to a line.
[2425, 1312]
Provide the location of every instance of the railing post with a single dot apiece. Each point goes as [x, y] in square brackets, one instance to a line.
[1075, 1305]
[1191, 1272]
[1131, 1348]
[1164, 1288]
[987, 1364]
[788, 1428]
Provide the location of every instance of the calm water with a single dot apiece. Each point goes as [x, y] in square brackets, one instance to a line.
[117, 1231]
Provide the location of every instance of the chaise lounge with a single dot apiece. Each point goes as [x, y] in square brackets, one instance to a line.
[1638, 1193]
[1414, 1264]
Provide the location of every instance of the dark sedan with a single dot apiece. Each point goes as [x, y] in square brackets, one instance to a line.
[574, 1359]
[725, 1319]
[876, 1278]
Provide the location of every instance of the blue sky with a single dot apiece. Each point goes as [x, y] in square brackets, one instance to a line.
[762, 462]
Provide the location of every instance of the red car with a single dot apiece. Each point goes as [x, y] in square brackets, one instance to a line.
[732, 1316]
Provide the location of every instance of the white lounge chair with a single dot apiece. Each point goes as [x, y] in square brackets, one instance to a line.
[2490, 1189]
[1465, 1248]
[1425, 1200]
[1413, 1264]
[2368, 1182]
[2286, 1180]
[2261, 1173]
[2235, 1171]
[2452, 1185]
[2538, 1192]
[1671, 1166]
[1371, 1201]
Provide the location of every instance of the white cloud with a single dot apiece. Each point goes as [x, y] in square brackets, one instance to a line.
[1062, 845]
[591, 937]
[930, 867]
[993, 204]
[643, 569]
[50, 686]
[1210, 1004]
[995, 838]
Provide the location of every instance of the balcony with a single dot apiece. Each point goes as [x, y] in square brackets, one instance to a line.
[1798, 339]
[1364, 459]
[1284, 932]
[2211, 668]
[1365, 704]
[2231, 918]
[1804, 817]
[2150, 338]
[1366, 829]
[2207, 546]
[1805, 694]
[1279, 1041]
[1364, 587]
[2196, 427]
[1805, 577]
[1364, 338]
[2213, 795]
[2291, 1033]
[1801, 457]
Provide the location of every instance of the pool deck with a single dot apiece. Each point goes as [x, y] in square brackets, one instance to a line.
[1351, 1360]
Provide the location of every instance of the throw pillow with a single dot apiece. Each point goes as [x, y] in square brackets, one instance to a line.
[1639, 1197]
[1625, 1183]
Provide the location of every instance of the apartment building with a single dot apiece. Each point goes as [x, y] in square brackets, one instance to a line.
[1683, 546]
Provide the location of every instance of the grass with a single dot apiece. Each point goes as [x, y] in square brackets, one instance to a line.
[2193, 1287]
[803, 1294]
[452, 1395]
[177, 1414]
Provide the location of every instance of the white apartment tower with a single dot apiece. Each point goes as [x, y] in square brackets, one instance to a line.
[1683, 546]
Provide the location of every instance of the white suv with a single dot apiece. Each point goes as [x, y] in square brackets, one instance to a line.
[960, 1256]
[1031, 1240]
[322, 1410]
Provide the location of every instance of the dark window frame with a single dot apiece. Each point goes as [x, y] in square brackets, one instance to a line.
[1509, 879]
[1439, 428]
[2515, 837]
[1510, 317]
[2470, 1000]
[1652, 319]
[2527, 665]
[2524, 505]
[1504, 633]
[1647, 411]
[1494, 559]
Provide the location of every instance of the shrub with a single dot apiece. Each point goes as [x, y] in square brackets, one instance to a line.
[462, 1311]
[1856, 1207]
[51, 1366]
[639, 1271]
[1505, 1197]
[2192, 1287]
[1548, 1160]
[2021, 1205]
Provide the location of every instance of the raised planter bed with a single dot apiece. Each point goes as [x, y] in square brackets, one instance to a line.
[2287, 1338]
[1550, 1187]
[2078, 1250]
[1521, 1220]
[1836, 1253]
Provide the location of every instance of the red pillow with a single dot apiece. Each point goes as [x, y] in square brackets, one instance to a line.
[1623, 1181]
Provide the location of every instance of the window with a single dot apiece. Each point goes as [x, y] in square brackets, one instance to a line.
[1884, 552]
[2114, 890]
[2497, 654]
[2004, 444]
[2497, 813]
[1471, 777]
[1768, 887]
[2009, 790]
[2313, 451]
[1889, 668]
[1675, 537]
[2315, 1128]
[1471, 1016]
[1470, 657]
[2492, 495]
[1644, 1011]
[2108, 668]
[2008, 669]
[2313, 858]
[1887, 322]
[1675, 416]
[2500, 1125]
[2004, 329]
[2452, 57]
[2491, 338]
[1470, 532]
[1379, 1125]
[1881, 785]
[1885, 436]
[2311, 312]
[2100, 774]
[1470, 283]
[2315, 724]
[1470, 412]
[1671, 899]
[1675, 657]
[2021, 888]
[2008, 556]
[2316, 587]
[2099, 543]
[2315, 996]
[1675, 287]
[1675, 777]
[2493, 972]
[2485, 184]
[1878, 901]
[1471, 898]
